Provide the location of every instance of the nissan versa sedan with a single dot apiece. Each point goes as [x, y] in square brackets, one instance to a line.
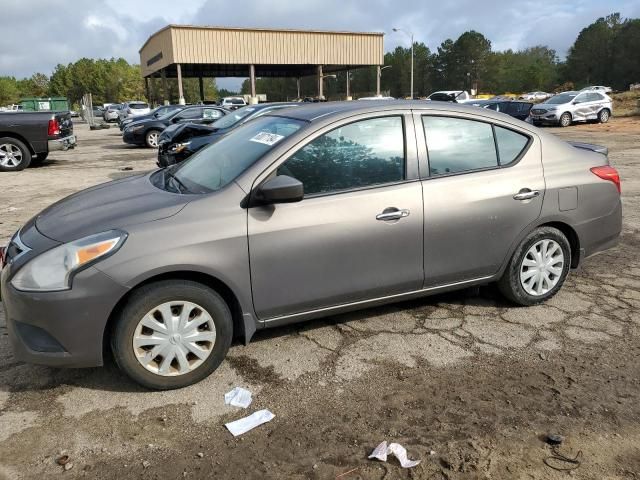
[300, 214]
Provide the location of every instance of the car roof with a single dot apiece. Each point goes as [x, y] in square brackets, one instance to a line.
[311, 112]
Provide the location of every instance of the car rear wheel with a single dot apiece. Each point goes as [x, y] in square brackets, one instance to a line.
[565, 119]
[152, 138]
[14, 155]
[604, 115]
[172, 334]
[538, 267]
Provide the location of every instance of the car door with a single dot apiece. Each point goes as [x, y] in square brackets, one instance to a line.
[483, 186]
[581, 107]
[356, 235]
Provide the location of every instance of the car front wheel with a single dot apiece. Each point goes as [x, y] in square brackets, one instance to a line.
[565, 120]
[538, 267]
[172, 334]
[152, 138]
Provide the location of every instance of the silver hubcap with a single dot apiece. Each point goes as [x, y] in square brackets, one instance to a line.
[542, 267]
[174, 338]
[152, 138]
[604, 116]
[565, 120]
[10, 155]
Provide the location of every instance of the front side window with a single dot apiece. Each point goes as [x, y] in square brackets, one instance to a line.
[220, 163]
[211, 113]
[356, 155]
[457, 145]
[190, 114]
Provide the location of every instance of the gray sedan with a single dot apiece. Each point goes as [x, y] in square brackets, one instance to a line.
[317, 210]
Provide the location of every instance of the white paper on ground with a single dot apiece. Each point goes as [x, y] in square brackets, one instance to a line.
[247, 423]
[238, 397]
[382, 450]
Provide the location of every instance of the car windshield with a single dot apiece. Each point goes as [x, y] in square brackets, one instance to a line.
[562, 98]
[231, 119]
[138, 106]
[219, 164]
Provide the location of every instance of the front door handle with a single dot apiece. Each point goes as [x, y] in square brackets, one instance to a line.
[526, 194]
[392, 213]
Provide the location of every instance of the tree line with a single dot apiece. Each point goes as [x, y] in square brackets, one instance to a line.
[604, 53]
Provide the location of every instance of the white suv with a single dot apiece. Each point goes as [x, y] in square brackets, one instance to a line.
[568, 107]
[133, 109]
[233, 103]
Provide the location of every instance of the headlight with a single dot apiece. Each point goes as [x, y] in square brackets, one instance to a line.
[178, 147]
[54, 269]
[135, 128]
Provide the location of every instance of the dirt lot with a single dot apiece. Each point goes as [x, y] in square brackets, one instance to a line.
[467, 383]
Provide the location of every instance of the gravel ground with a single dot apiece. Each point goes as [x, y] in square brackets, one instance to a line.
[469, 384]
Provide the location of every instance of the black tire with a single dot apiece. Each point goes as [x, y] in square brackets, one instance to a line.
[510, 285]
[147, 298]
[565, 119]
[25, 154]
[147, 138]
[604, 115]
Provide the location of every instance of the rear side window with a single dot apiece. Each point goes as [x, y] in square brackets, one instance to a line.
[458, 145]
[510, 144]
[356, 155]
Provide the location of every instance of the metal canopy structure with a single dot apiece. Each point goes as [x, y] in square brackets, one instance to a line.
[179, 51]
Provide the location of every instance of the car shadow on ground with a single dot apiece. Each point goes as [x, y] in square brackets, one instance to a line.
[120, 146]
[110, 379]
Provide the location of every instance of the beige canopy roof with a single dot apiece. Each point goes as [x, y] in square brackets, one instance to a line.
[222, 51]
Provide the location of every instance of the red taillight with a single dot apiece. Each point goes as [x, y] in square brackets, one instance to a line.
[54, 128]
[607, 172]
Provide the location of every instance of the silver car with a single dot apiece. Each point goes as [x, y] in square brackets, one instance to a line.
[307, 212]
[568, 107]
[111, 113]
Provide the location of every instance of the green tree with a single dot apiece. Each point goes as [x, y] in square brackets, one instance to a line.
[9, 92]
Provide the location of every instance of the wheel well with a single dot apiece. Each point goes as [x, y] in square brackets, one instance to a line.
[572, 236]
[18, 137]
[215, 284]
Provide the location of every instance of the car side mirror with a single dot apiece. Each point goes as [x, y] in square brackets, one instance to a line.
[280, 189]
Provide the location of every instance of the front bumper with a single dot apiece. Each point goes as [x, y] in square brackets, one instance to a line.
[133, 137]
[61, 329]
[62, 143]
[548, 118]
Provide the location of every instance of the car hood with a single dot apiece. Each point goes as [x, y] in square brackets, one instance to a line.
[185, 131]
[117, 204]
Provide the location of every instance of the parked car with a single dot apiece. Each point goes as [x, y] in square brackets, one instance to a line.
[155, 113]
[378, 97]
[456, 96]
[597, 88]
[304, 213]
[568, 107]
[133, 109]
[26, 138]
[111, 113]
[519, 110]
[147, 132]
[233, 103]
[181, 141]
[535, 96]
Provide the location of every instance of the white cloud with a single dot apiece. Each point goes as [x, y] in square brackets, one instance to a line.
[53, 32]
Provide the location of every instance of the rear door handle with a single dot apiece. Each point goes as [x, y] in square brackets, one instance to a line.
[392, 213]
[526, 194]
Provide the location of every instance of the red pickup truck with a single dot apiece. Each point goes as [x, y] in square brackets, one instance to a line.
[26, 138]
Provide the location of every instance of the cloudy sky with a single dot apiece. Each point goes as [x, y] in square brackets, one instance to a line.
[44, 33]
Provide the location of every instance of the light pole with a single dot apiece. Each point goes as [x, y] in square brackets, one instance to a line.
[322, 77]
[380, 69]
[410, 35]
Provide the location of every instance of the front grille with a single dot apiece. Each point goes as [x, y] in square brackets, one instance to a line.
[538, 111]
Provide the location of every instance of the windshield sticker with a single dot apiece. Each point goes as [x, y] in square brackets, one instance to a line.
[267, 138]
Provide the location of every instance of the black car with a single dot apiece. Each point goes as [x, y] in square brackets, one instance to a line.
[177, 143]
[157, 112]
[519, 110]
[147, 132]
